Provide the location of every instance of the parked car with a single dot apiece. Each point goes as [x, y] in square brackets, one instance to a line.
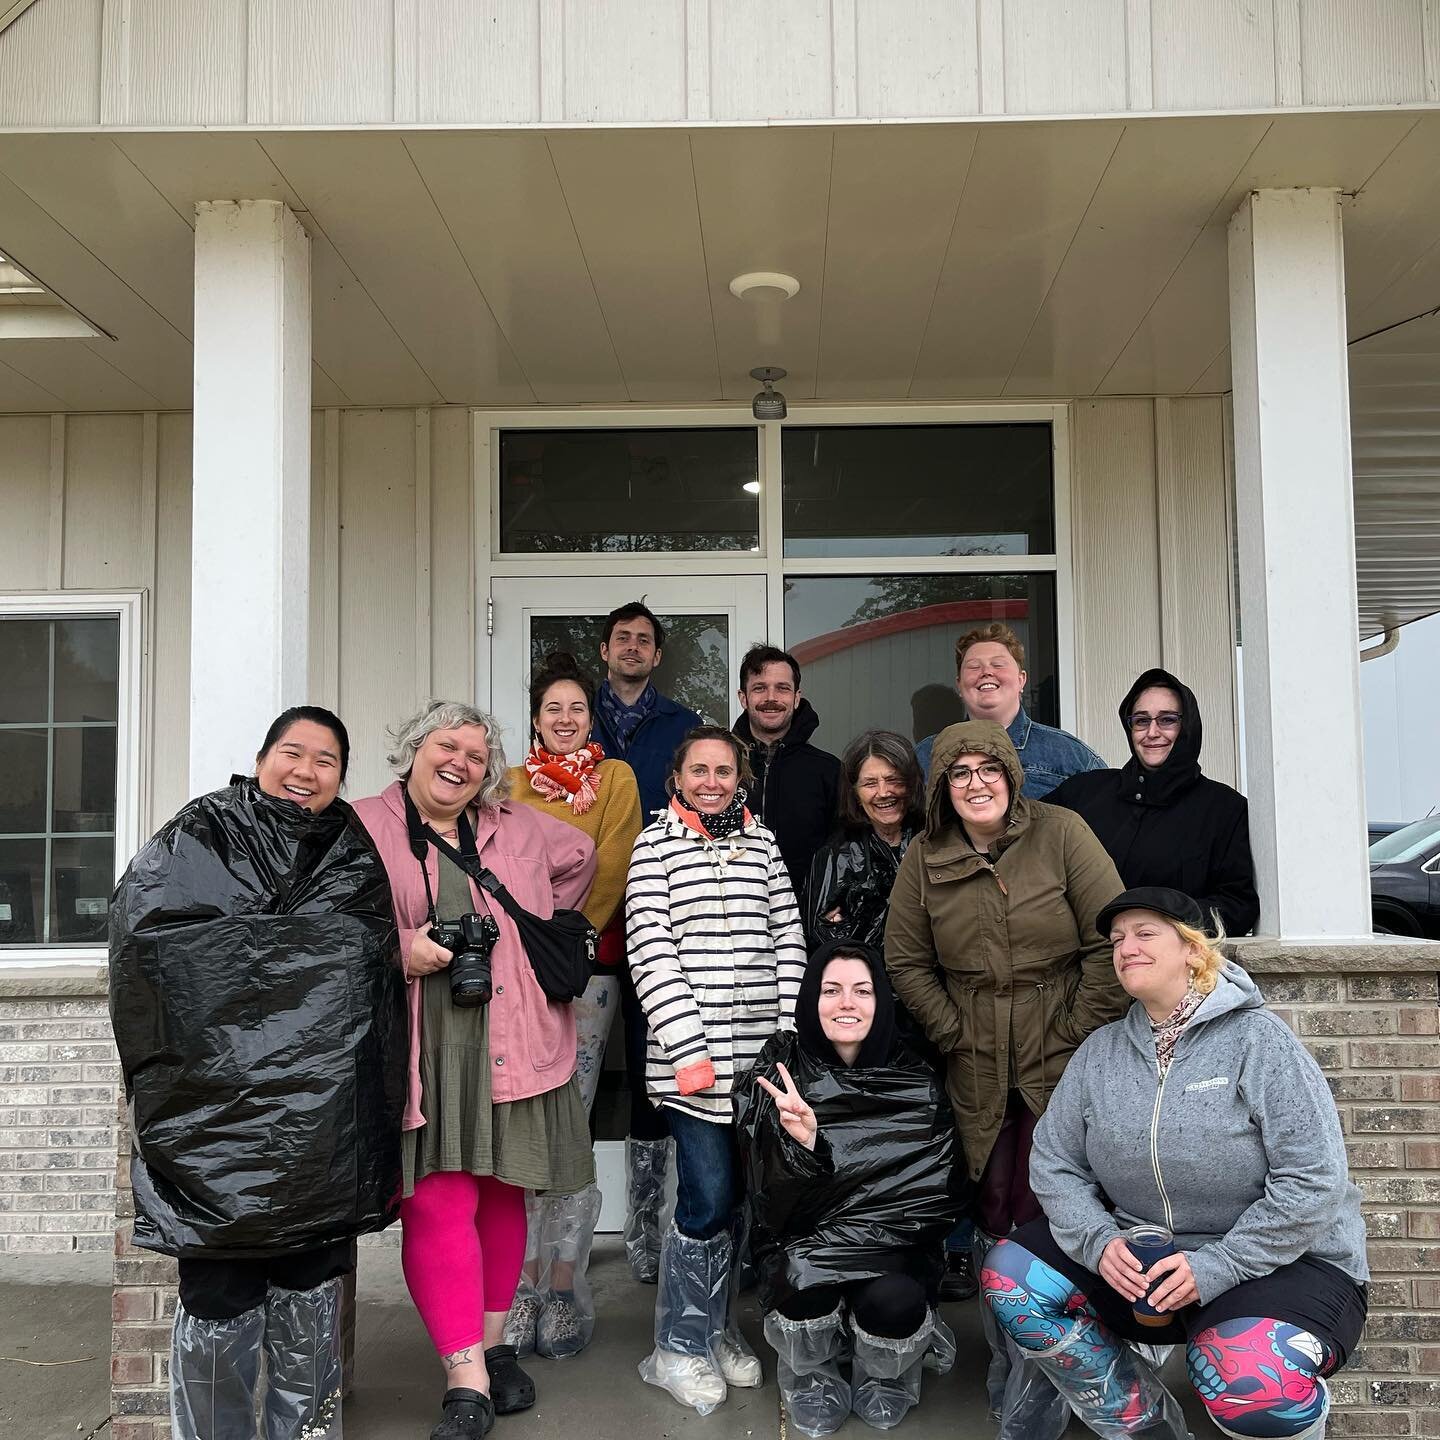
[1405, 880]
[1379, 829]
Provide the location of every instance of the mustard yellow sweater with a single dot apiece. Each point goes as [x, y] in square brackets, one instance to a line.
[612, 822]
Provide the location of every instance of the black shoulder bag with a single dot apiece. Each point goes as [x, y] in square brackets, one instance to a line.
[561, 950]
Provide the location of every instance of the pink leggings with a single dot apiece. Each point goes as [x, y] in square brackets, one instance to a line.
[461, 1248]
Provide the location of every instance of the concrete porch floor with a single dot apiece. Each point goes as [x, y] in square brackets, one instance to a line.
[56, 1308]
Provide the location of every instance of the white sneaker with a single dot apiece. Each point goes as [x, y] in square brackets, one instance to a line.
[739, 1367]
[691, 1379]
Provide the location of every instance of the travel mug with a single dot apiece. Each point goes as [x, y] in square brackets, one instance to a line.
[1149, 1243]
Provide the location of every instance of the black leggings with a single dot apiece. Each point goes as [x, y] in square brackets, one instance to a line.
[893, 1306]
[223, 1289]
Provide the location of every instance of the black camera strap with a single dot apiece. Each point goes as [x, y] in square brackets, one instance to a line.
[467, 857]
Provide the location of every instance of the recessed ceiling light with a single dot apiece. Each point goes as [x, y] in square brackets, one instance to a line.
[764, 285]
[751, 487]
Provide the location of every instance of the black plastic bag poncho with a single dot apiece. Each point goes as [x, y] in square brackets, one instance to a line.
[259, 1012]
[879, 1193]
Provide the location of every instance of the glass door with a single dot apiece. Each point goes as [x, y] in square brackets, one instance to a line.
[710, 621]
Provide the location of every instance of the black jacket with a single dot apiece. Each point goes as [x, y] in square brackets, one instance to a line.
[1172, 826]
[853, 871]
[259, 1010]
[879, 1193]
[796, 791]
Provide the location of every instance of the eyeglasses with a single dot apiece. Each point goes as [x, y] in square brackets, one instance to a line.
[1140, 722]
[989, 772]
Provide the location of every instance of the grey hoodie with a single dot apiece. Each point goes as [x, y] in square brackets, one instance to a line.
[1238, 1150]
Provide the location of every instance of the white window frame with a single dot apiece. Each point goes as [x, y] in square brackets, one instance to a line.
[128, 608]
[769, 561]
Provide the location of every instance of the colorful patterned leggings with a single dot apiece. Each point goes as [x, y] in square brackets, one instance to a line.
[1258, 1377]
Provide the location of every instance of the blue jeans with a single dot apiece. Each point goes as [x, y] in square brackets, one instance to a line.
[704, 1175]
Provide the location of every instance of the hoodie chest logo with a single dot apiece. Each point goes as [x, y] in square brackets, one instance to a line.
[1215, 1082]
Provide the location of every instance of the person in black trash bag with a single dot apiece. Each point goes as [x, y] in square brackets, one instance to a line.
[258, 1008]
[853, 1172]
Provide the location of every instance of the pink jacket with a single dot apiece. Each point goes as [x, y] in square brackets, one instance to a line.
[546, 865]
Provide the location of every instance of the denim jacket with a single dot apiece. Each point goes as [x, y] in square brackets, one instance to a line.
[1048, 755]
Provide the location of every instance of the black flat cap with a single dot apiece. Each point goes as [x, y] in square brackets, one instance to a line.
[1173, 904]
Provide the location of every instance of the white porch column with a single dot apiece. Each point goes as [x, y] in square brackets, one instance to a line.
[250, 557]
[1295, 513]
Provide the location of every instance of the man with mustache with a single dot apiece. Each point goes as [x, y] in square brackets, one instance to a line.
[990, 676]
[797, 785]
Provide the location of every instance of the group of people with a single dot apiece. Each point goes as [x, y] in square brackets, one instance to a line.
[890, 1018]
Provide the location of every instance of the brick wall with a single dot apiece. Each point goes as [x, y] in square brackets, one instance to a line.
[1374, 1034]
[58, 1074]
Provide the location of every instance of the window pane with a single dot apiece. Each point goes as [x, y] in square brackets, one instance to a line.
[22, 781]
[695, 663]
[613, 491]
[918, 490]
[25, 665]
[881, 652]
[84, 797]
[84, 876]
[22, 891]
[87, 668]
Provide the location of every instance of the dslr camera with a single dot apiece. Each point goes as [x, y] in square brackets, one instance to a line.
[470, 939]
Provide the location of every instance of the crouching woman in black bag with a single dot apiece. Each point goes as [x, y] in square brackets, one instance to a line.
[853, 1173]
[258, 1008]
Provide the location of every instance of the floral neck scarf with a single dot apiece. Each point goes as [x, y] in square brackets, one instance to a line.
[572, 778]
[1167, 1032]
[717, 827]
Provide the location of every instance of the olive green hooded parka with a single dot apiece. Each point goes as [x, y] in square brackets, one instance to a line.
[1001, 964]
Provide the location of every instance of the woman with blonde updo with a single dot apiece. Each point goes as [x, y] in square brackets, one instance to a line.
[1200, 1117]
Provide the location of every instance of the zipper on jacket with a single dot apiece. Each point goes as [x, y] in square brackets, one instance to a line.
[1155, 1150]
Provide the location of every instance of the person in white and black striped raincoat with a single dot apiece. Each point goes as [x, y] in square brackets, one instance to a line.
[717, 952]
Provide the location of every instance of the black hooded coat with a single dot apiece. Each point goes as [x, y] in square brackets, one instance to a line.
[1171, 826]
[259, 1012]
[886, 1181]
[796, 793]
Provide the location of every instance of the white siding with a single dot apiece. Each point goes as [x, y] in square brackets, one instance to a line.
[103, 501]
[503, 62]
[1149, 517]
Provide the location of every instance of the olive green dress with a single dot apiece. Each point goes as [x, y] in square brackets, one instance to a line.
[541, 1143]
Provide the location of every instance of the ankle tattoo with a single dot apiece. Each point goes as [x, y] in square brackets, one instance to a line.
[457, 1358]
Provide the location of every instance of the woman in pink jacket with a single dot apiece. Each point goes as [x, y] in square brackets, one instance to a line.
[494, 1108]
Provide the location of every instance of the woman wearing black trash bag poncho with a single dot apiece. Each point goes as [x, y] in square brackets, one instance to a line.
[259, 1013]
[852, 1171]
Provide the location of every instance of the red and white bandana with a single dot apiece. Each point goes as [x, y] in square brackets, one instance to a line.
[572, 778]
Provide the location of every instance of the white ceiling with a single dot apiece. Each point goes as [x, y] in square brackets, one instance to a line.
[592, 266]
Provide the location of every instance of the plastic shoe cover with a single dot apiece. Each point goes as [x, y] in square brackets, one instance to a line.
[690, 1379]
[997, 1373]
[1032, 1408]
[213, 1368]
[567, 1229]
[646, 1164]
[524, 1316]
[738, 1363]
[816, 1395]
[690, 1312]
[940, 1357]
[885, 1374]
[1127, 1400]
[1157, 1355]
[304, 1383]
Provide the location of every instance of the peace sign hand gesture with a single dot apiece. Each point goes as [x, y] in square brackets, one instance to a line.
[795, 1115]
